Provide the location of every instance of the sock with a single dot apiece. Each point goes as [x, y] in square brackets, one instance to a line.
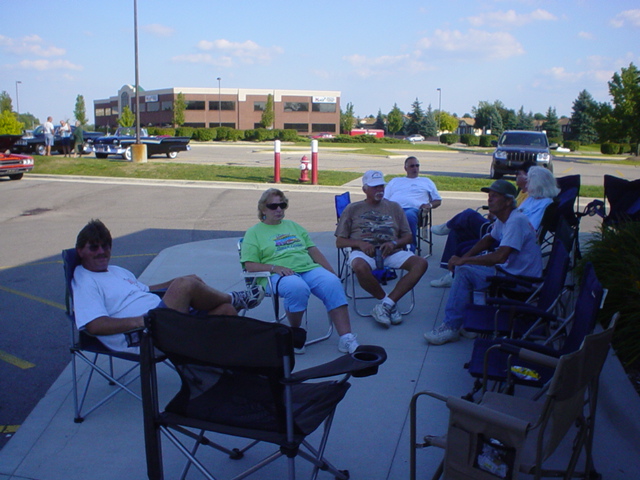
[387, 301]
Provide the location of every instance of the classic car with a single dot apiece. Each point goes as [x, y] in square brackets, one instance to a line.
[120, 144]
[13, 165]
[33, 141]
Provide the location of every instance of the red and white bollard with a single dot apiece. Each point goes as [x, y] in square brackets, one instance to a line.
[314, 162]
[305, 166]
[276, 161]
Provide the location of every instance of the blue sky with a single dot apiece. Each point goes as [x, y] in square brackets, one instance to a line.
[529, 53]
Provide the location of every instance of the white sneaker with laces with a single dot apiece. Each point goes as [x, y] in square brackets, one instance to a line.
[443, 282]
[381, 314]
[395, 316]
[440, 229]
[442, 334]
[248, 299]
[348, 343]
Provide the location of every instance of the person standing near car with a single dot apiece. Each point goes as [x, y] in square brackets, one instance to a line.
[78, 139]
[47, 128]
[65, 134]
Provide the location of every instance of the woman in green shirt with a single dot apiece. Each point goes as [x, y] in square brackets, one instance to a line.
[284, 248]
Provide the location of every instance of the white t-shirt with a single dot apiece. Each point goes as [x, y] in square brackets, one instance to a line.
[411, 192]
[534, 209]
[114, 293]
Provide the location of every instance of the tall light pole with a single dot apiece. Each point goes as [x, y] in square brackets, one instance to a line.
[135, 35]
[17, 98]
[219, 104]
[439, 109]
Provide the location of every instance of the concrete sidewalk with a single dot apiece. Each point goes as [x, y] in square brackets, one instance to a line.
[370, 436]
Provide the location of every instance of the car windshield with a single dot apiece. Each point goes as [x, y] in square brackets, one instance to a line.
[524, 139]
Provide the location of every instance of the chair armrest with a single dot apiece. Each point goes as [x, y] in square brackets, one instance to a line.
[361, 363]
[541, 356]
[134, 337]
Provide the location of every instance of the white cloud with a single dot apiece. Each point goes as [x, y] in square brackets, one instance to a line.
[30, 45]
[598, 75]
[373, 66]
[43, 65]
[510, 18]
[158, 30]
[628, 17]
[585, 35]
[226, 53]
[476, 44]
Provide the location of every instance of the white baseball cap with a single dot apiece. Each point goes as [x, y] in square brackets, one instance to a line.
[373, 178]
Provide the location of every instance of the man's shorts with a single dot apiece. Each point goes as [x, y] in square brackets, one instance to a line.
[48, 140]
[395, 260]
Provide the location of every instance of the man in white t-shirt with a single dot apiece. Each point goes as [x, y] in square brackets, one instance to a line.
[413, 193]
[109, 300]
[49, 131]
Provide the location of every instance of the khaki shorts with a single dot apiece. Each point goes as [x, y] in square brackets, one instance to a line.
[395, 260]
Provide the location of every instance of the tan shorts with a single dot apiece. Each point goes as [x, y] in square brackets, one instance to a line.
[395, 260]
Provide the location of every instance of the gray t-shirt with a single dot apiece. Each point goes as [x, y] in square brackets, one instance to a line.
[517, 233]
[376, 224]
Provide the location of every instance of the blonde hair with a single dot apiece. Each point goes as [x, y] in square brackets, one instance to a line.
[265, 196]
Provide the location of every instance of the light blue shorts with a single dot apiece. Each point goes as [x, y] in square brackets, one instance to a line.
[296, 289]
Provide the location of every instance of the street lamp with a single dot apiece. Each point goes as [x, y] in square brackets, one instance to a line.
[219, 104]
[135, 35]
[17, 99]
[439, 108]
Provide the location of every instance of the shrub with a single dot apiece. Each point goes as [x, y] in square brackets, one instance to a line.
[185, 132]
[470, 139]
[287, 135]
[204, 134]
[162, 131]
[229, 134]
[609, 148]
[615, 254]
[449, 138]
[485, 140]
[572, 145]
[557, 140]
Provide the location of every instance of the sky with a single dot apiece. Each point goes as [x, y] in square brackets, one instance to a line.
[533, 54]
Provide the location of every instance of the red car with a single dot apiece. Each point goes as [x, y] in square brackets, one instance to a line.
[13, 165]
[323, 135]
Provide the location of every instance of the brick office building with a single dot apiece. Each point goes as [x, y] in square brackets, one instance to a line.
[306, 111]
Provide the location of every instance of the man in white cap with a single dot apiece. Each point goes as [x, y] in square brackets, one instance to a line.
[517, 253]
[376, 225]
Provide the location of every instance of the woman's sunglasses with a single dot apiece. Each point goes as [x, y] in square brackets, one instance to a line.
[274, 206]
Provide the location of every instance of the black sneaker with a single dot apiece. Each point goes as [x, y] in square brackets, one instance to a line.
[248, 299]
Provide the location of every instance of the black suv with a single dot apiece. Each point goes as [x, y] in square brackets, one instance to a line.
[515, 147]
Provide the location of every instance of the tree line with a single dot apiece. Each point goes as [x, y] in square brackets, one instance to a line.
[13, 123]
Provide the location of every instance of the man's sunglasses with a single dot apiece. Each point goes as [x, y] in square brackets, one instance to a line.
[94, 247]
[274, 206]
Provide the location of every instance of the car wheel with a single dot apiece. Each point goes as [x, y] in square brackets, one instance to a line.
[86, 148]
[101, 155]
[128, 155]
[39, 149]
[16, 176]
[494, 174]
[172, 154]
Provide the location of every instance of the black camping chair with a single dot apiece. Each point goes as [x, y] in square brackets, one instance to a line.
[237, 379]
[341, 202]
[90, 350]
[496, 360]
[424, 235]
[623, 197]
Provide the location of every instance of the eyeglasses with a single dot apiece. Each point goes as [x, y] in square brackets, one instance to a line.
[414, 165]
[94, 247]
[274, 206]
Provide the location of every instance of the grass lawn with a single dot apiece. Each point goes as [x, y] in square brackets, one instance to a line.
[90, 166]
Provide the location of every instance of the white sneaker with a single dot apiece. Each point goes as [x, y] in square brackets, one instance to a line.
[444, 282]
[442, 334]
[467, 334]
[395, 316]
[381, 314]
[440, 229]
[348, 343]
[300, 351]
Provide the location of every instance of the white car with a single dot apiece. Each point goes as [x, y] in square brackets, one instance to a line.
[415, 138]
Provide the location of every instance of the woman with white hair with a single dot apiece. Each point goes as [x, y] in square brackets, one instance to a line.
[541, 189]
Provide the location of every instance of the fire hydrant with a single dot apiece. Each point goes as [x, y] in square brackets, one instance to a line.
[305, 166]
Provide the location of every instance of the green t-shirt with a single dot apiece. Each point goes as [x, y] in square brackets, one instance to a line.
[284, 245]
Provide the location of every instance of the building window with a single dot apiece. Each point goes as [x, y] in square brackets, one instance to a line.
[99, 112]
[216, 124]
[110, 111]
[151, 107]
[324, 107]
[323, 127]
[194, 125]
[259, 106]
[224, 105]
[300, 127]
[296, 107]
[124, 100]
[195, 105]
[167, 106]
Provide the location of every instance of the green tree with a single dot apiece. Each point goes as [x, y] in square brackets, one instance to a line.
[80, 112]
[624, 89]
[395, 120]
[429, 124]
[268, 115]
[127, 118]
[179, 106]
[347, 119]
[488, 117]
[524, 121]
[551, 124]
[9, 124]
[381, 122]
[609, 127]
[583, 120]
[29, 120]
[5, 102]
[448, 122]
[416, 119]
